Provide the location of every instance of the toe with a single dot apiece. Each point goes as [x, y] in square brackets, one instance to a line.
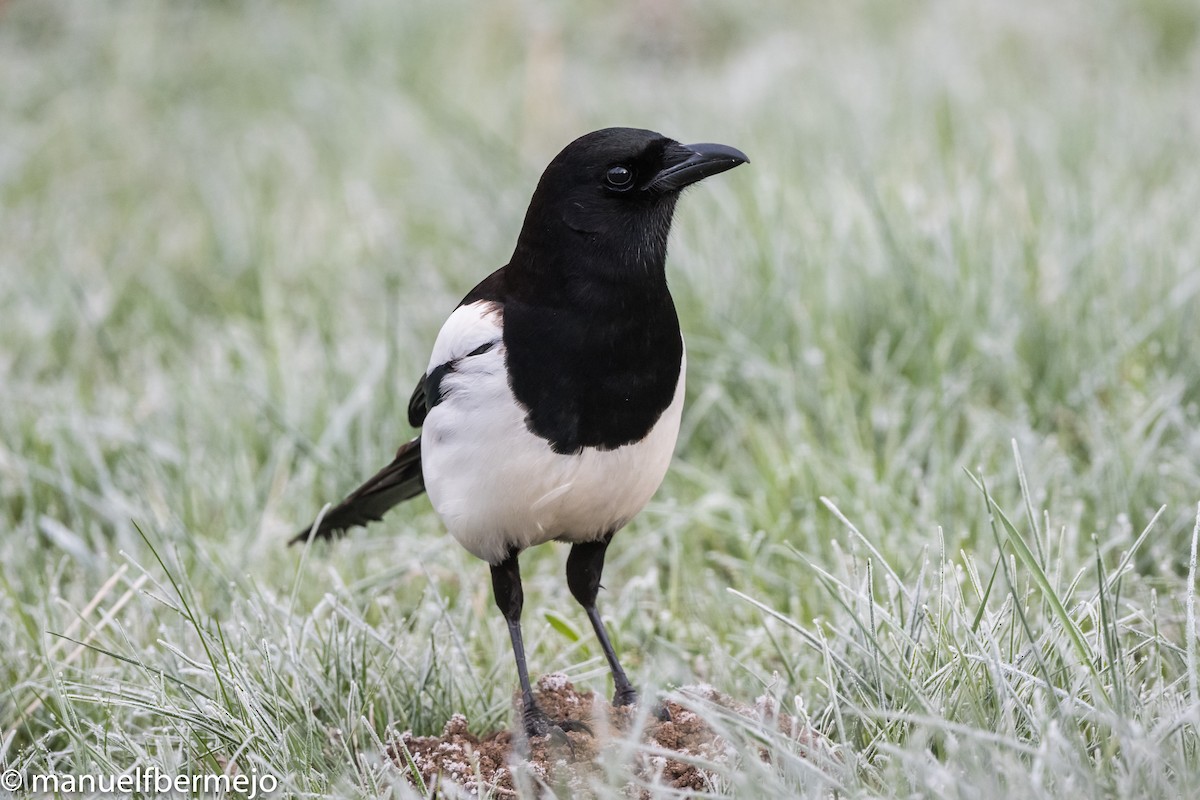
[576, 726]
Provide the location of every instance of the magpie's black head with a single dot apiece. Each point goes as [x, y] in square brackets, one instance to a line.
[606, 201]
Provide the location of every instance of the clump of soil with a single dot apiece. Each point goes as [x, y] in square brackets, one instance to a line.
[486, 765]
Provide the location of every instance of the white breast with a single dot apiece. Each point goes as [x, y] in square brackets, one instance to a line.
[497, 486]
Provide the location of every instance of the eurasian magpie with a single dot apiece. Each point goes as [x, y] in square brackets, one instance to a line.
[552, 399]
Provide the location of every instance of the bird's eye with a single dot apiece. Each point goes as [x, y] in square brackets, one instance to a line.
[619, 177]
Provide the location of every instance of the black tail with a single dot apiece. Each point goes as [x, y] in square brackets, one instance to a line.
[393, 484]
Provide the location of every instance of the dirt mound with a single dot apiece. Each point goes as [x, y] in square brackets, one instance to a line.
[486, 765]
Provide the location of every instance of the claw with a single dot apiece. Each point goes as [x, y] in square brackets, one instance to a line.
[558, 735]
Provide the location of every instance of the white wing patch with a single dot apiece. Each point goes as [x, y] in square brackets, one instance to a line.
[469, 327]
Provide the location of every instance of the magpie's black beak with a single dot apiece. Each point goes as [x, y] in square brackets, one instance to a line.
[688, 163]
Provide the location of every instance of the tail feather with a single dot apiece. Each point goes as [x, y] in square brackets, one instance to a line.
[395, 483]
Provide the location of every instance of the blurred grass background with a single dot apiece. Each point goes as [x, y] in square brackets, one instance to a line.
[230, 231]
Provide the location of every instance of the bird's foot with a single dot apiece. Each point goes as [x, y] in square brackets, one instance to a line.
[538, 723]
[625, 696]
[628, 696]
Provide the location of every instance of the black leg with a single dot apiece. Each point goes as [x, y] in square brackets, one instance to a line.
[584, 566]
[506, 586]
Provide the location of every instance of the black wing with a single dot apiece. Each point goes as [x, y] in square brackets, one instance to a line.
[417, 406]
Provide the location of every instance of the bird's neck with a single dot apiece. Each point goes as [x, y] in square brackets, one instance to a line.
[605, 274]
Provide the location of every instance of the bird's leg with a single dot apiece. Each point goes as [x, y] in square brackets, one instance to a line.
[506, 586]
[584, 566]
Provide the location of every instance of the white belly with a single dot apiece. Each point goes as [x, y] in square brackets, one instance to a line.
[497, 486]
